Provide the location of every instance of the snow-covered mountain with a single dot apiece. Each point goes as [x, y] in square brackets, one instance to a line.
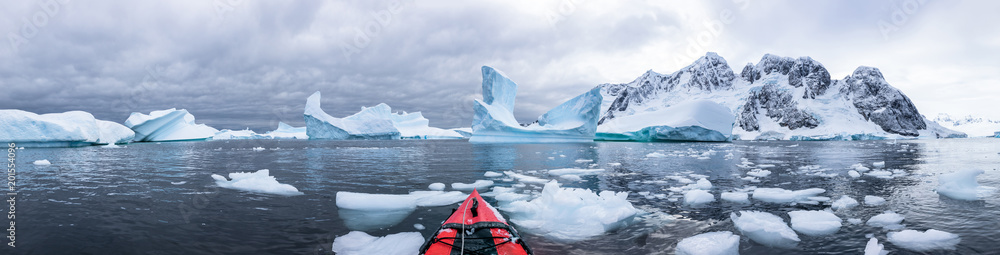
[780, 98]
[974, 126]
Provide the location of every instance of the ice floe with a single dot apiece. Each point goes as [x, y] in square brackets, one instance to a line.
[364, 211]
[712, 243]
[436, 186]
[875, 248]
[258, 182]
[697, 197]
[765, 228]
[735, 197]
[962, 185]
[479, 184]
[42, 162]
[874, 201]
[815, 223]
[575, 171]
[887, 219]
[924, 241]
[844, 203]
[779, 195]
[357, 242]
[571, 214]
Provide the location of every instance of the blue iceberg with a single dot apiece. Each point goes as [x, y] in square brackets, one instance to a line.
[68, 129]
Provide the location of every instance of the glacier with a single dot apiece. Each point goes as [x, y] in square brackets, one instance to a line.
[696, 120]
[572, 121]
[377, 122]
[68, 129]
[971, 125]
[168, 125]
[780, 98]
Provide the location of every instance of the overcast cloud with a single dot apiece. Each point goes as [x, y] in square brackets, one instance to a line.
[237, 64]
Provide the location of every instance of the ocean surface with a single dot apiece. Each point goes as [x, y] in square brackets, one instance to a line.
[159, 198]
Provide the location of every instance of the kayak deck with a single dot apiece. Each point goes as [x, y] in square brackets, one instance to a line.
[475, 228]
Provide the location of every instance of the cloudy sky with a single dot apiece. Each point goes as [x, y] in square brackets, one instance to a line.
[237, 64]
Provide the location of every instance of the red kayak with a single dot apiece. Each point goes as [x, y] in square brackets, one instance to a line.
[475, 228]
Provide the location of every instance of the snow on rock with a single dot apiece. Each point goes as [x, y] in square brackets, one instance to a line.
[572, 121]
[698, 197]
[874, 248]
[712, 243]
[286, 131]
[779, 195]
[68, 129]
[765, 228]
[697, 120]
[962, 185]
[320, 125]
[357, 242]
[479, 184]
[815, 223]
[874, 201]
[42, 162]
[735, 197]
[167, 125]
[887, 219]
[436, 186]
[258, 182]
[571, 213]
[924, 241]
[845, 202]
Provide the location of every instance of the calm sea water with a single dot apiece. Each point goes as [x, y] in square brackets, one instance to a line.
[160, 199]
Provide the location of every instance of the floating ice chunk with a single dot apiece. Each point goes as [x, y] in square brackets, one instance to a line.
[492, 174]
[874, 201]
[436, 186]
[962, 185]
[259, 182]
[697, 197]
[735, 197]
[357, 242]
[614, 164]
[258, 149]
[855, 221]
[779, 195]
[712, 243]
[888, 219]
[880, 164]
[874, 248]
[880, 174]
[845, 202]
[765, 228]
[924, 241]
[575, 171]
[853, 174]
[700, 184]
[759, 173]
[583, 160]
[389, 202]
[571, 177]
[815, 223]
[419, 226]
[525, 178]
[570, 213]
[656, 155]
[859, 167]
[167, 125]
[43, 162]
[479, 184]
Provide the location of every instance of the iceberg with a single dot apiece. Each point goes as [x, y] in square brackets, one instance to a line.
[924, 241]
[258, 182]
[712, 243]
[815, 223]
[227, 134]
[571, 214]
[572, 121]
[376, 122]
[167, 125]
[962, 185]
[286, 131]
[357, 242]
[68, 129]
[42, 162]
[765, 228]
[697, 120]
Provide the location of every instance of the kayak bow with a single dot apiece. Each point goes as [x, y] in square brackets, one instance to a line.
[475, 228]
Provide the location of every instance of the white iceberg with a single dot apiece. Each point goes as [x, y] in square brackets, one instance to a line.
[887, 219]
[167, 125]
[227, 134]
[258, 182]
[924, 241]
[42, 162]
[286, 131]
[845, 202]
[436, 186]
[697, 120]
[357, 242]
[572, 121]
[320, 125]
[571, 214]
[765, 228]
[815, 223]
[698, 197]
[68, 129]
[779, 195]
[962, 185]
[712, 243]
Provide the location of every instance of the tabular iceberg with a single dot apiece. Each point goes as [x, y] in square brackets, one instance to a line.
[286, 131]
[167, 125]
[698, 120]
[227, 134]
[572, 121]
[68, 129]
